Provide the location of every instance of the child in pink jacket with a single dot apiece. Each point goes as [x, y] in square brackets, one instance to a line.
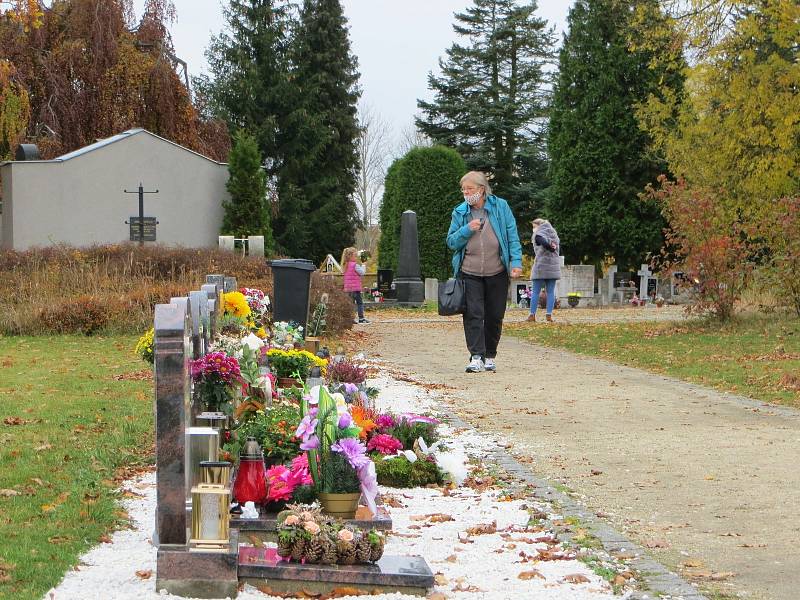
[352, 280]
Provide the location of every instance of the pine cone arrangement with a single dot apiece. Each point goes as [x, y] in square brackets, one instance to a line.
[329, 556]
[284, 551]
[315, 549]
[299, 548]
[376, 544]
[363, 549]
[346, 552]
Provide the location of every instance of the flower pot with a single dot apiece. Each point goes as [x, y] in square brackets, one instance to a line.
[573, 301]
[312, 344]
[342, 506]
[287, 382]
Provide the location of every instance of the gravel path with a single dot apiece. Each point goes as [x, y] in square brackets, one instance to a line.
[708, 481]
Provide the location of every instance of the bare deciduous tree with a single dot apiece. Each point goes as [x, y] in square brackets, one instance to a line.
[410, 138]
[373, 156]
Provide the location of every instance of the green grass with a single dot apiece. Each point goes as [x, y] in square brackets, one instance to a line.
[754, 355]
[69, 432]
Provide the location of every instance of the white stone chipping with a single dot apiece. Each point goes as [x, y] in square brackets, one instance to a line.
[467, 567]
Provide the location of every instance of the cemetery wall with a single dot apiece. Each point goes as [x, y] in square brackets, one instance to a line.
[78, 199]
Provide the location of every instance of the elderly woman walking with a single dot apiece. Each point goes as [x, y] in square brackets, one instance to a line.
[483, 235]
[546, 268]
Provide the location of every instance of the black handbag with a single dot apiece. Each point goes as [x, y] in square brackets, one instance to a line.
[452, 297]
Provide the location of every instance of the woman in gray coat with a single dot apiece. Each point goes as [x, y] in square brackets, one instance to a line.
[546, 266]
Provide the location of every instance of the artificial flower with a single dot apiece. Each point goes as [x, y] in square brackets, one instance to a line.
[311, 527]
[312, 443]
[384, 444]
[345, 421]
[353, 450]
[292, 520]
[384, 422]
[345, 535]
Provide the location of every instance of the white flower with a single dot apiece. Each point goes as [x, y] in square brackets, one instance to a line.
[253, 342]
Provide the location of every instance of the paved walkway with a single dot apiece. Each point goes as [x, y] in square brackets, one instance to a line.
[707, 481]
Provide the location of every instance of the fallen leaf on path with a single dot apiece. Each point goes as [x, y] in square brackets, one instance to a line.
[533, 573]
[44, 446]
[436, 596]
[440, 579]
[15, 421]
[144, 574]
[575, 578]
[656, 544]
[452, 558]
[9, 493]
[692, 563]
[59, 539]
[483, 529]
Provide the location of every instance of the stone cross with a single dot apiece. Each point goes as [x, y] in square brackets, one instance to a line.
[172, 389]
[408, 282]
[644, 277]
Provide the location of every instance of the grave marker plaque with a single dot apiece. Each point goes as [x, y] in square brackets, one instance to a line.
[145, 233]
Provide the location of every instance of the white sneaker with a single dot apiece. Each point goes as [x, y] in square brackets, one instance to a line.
[489, 365]
[475, 365]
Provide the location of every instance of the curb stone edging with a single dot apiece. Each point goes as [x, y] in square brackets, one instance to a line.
[660, 581]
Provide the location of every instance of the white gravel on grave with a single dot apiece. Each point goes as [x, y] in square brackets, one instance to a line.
[476, 567]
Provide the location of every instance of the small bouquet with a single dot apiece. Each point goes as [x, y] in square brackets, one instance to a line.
[144, 347]
[259, 305]
[217, 377]
[294, 363]
[376, 294]
[287, 334]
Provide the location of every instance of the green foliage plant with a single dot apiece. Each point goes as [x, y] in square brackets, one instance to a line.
[780, 231]
[399, 472]
[338, 476]
[408, 433]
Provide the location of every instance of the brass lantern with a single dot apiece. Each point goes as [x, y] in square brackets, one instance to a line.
[211, 500]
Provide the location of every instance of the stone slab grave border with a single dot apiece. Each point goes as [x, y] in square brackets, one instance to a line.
[184, 329]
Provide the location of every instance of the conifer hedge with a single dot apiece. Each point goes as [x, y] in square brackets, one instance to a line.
[425, 180]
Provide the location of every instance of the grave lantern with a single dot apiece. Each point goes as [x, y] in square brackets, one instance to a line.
[251, 478]
[211, 500]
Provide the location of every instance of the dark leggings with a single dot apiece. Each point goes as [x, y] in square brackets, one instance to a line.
[359, 303]
[486, 307]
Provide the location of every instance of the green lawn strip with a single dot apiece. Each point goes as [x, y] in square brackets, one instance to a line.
[68, 432]
[755, 355]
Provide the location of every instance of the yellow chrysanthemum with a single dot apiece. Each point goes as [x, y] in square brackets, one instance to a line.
[236, 304]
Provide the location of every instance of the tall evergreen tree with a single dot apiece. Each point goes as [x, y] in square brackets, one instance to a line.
[491, 100]
[249, 68]
[247, 213]
[317, 212]
[600, 156]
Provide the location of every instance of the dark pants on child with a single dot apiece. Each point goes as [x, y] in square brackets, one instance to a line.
[486, 307]
[359, 303]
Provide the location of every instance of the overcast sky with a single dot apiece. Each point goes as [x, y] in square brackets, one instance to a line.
[397, 42]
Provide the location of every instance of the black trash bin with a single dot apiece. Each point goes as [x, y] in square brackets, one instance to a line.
[291, 294]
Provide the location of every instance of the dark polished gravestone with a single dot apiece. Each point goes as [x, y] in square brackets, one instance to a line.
[408, 284]
[404, 574]
[265, 527]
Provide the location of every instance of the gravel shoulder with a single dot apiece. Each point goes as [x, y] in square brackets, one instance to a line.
[706, 480]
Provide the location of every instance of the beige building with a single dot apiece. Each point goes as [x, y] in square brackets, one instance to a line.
[78, 198]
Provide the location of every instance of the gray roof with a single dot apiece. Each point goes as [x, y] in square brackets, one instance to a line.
[110, 140]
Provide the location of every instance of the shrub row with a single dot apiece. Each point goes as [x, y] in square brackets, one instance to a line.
[63, 289]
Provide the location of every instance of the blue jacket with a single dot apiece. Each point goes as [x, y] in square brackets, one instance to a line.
[503, 223]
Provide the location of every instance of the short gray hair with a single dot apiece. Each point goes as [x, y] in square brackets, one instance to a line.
[478, 178]
[537, 222]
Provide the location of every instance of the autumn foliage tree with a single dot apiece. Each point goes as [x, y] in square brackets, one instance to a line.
[89, 73]
[702, 241]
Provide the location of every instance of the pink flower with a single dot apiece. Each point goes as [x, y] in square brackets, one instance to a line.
[311, 527]
[291, 520]
[384, 421]
[385, 444]
[345, 535]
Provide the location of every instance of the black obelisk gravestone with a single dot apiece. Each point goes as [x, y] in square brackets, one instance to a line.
[408, 282]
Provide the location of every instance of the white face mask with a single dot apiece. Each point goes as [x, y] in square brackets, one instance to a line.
[473, 199]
